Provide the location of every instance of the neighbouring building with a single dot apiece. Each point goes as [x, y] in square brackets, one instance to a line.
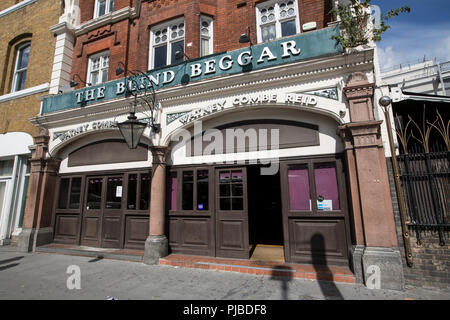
[26, 56]
[420, 96]
[262, 130]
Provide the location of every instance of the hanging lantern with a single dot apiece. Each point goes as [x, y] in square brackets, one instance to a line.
[132, 130]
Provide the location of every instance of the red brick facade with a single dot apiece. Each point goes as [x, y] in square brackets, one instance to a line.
[128, 40]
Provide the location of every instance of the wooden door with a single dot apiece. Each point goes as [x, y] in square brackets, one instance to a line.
[113, 207]
[315, 214]
[92, 212]
[231, 213]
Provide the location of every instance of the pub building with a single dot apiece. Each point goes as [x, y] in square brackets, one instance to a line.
[264, 133]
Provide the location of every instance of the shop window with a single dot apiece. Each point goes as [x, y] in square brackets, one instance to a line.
[202, 190]
[194, 190]
[98, 68]
[188, 190]
[145, 192]
[142, 183]
[276, 19]
[132, 191]
[231, 190]
[75, 193]
[63, 193]
[94, 196]
[206, 36]
[299, 193]
[21, 65]
[103, 7]
[326, 186]
[173, 191]
[165, 40]
[69, 200]
[114, 193]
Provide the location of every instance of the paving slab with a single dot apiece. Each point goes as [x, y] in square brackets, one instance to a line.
[45, 276]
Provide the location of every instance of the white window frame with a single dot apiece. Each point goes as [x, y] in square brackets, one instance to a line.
[16, 65]
[102, 55]
[153, 45]
[278, 20]
[108, 8]
[208, 36]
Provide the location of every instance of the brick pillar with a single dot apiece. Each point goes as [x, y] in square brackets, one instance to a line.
[37, 222]
[374, 226]
[156, 245]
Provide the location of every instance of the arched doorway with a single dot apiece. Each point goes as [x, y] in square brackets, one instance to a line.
[103, 194]
[220, 203]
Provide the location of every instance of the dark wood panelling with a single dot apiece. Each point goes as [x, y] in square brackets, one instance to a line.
[191, 235]
[107, 151]
[231, 235]
[329, 228]
[90, 231]
[196, 232]
[111, 232]
[136, 231]
[317, 241]
[66, 228]
[232, 239]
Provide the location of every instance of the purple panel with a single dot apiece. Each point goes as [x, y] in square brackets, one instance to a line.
[236, 176]
[299, 188]
[326, 183]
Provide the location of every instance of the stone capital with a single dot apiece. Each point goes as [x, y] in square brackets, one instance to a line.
[361, 134]
[159, 154]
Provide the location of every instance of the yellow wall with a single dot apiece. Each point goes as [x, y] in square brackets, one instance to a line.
[34, 20]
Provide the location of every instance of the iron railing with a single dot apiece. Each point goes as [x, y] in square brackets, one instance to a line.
[425, 178]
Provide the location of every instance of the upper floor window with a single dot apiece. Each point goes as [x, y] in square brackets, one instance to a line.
[103, 7]
[21, 65]
[206, 36]
[165, 40]
[276, 19]
[98, 68]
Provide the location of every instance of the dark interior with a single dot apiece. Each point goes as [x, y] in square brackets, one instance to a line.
[264, 208]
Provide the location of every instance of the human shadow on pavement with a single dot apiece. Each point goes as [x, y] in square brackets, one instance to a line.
[284, 275]
[324, 274]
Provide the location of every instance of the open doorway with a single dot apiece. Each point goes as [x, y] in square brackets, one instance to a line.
[264, 216]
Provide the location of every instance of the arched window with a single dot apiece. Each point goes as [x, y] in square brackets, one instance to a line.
[20, 67]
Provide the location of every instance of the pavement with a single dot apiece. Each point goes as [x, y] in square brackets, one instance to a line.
[47, 276]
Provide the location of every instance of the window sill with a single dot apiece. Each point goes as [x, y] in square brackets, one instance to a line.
[105, 19]
[24, 92]
[16, 7]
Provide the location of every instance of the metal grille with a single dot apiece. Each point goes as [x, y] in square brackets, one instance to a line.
[425, 178]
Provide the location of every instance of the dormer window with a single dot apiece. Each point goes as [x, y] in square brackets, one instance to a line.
[103, 7]
[276, 19]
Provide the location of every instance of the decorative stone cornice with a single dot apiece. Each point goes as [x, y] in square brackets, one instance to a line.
[62, 27]
[110, 18]
[363, 134]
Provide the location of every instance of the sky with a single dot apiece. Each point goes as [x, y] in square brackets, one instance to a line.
[424, 32]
